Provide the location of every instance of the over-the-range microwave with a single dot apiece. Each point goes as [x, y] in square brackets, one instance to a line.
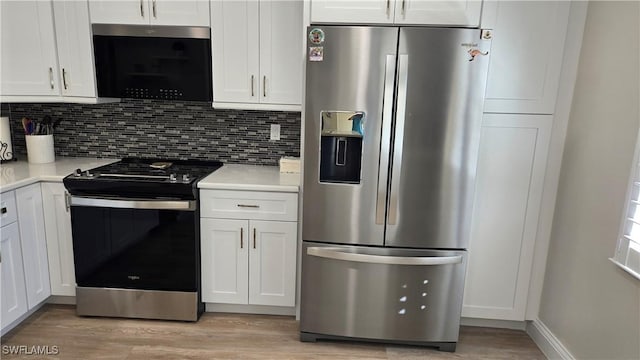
[153, 62]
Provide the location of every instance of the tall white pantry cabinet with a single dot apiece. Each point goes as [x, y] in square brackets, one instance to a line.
[527, 52]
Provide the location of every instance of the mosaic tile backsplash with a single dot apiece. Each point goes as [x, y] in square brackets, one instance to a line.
[164, 129]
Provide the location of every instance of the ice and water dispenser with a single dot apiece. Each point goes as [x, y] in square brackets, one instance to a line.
[341, 146]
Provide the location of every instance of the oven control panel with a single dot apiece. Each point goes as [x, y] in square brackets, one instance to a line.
[171, 178]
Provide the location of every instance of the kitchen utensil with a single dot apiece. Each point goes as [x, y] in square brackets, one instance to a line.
[26, 125]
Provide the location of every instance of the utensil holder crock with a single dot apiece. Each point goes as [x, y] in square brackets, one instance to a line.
[40, 149]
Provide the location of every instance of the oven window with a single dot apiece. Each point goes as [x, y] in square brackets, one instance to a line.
[135, 248]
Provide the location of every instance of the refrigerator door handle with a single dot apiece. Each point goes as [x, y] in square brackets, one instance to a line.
[385, 140]
[336, 254]
[401, 109]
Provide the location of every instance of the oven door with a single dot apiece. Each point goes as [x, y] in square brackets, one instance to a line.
[135, 244]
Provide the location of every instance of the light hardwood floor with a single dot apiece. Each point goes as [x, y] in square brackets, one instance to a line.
[232, 336]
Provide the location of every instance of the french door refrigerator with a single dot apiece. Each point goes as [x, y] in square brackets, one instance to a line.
[392, 130]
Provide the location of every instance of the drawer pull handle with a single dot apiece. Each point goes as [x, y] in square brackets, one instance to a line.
[248, 206]
[4, 210]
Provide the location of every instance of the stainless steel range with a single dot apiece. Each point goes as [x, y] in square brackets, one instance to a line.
[136, 239]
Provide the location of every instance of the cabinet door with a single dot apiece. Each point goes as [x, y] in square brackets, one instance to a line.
[352, 11]
[447, 12]
[173, 12]
[510, 176]
[13, 298]
[75, 52]
[224, 257]
[57, 221]
[27, 49]
[272, 263]
[526, 55]
[8, 205]
[34, 243]
[134, 12]
[280, 53]
[235, 47]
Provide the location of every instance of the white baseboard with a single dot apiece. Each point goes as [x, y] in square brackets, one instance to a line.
[550, 345]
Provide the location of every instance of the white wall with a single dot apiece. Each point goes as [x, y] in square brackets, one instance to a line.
[590, 305]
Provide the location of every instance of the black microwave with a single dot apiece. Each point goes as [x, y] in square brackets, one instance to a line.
[153, 62]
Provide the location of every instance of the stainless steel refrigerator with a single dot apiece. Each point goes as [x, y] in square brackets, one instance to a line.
[392, 126]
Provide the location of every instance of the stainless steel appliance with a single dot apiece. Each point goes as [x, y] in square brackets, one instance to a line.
[153, 62]
[136, 239]
[384, 236]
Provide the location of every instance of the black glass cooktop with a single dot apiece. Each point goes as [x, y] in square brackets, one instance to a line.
[142, 178]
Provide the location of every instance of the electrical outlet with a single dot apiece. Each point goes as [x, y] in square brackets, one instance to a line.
[275, 132]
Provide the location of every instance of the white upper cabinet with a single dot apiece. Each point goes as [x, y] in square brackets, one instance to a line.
[355, 11]
[526, 55]
[46, 52]
[154, 12]
[419, 12]
[119, 12]
[28, 63]
[180, 12]
[280, 59]
[257, 54]
[449, 12]
[75, 49]
[236, 51]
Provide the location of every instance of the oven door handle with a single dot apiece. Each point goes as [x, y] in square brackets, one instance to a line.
[179, 205]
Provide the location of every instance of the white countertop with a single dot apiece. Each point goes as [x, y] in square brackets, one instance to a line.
[252, 178]
[20, 173]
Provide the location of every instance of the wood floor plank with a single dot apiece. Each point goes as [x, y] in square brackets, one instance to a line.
[232, 336]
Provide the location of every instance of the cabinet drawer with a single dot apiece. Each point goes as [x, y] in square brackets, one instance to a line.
[249, 205]
[8, 211]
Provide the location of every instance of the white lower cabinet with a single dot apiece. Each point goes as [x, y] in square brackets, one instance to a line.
[59, 242]
[34, 243]
[225, 261]
[510, 175]
[248, 261]
[272, 263]
[24, 266]
[14, 294]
